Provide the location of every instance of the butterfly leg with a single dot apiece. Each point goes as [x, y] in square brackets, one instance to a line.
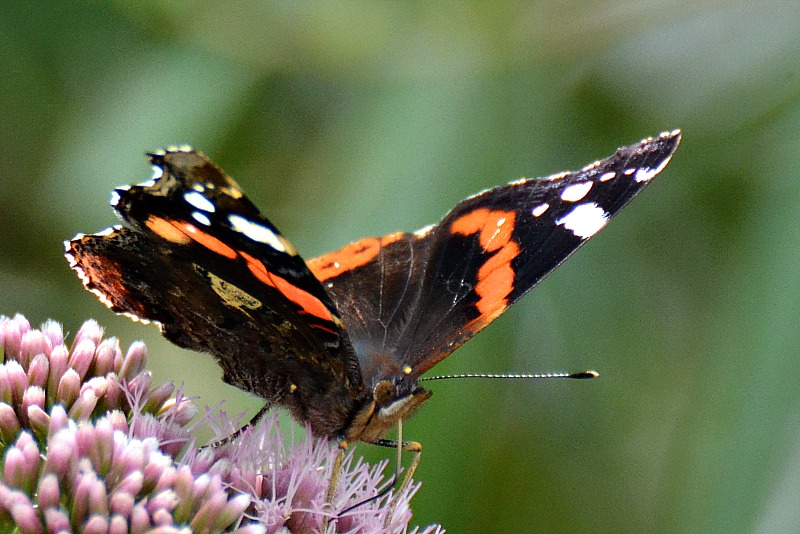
[408, 446]
[253, 422]
[335, 473]
[400, 445]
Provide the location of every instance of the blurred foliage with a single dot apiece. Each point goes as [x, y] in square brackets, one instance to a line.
[355, 118]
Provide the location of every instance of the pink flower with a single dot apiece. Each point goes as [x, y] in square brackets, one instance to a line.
[90, 444]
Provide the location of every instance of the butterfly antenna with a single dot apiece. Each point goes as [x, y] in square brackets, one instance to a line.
[583, 375]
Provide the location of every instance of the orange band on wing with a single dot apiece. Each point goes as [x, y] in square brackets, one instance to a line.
[307, 302]
[496, 281]
[498, 229]
[166, 229]
[183, 233]
[502, 258]
[495, 227]
[470, 223]
[350, 257]
[496, 276]
[209, 241]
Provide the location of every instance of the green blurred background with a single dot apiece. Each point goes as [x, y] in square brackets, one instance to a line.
[353, 118]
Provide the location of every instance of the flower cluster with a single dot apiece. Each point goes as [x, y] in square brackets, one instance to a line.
[89, 444]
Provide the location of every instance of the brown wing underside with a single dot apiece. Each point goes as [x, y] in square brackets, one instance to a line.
[256, 336]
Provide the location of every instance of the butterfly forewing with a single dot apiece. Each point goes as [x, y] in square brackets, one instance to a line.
[437, 288]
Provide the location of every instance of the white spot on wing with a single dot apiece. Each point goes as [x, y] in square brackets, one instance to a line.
[256, 232]
[644, 174]
[199, 201]
[182, 148]
[628, 172]
[202, 218]
[158, 172]
[584, 220]
[576, 192]
[607, 176]
[539, 210]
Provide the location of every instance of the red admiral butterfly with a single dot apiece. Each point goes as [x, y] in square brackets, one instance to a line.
[340, 340]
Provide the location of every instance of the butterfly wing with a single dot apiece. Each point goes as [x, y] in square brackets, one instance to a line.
[200, 259]
[409, 300]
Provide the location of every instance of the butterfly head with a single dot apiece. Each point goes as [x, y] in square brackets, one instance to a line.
[390, 403]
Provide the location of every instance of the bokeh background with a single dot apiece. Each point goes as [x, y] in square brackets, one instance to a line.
[349, 119]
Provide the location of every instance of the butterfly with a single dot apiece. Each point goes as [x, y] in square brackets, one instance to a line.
[340, 340]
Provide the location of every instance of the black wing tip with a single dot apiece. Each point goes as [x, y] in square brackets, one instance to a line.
[648, 158]
[666, 142]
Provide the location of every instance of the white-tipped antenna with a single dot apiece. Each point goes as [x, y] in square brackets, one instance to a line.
[583, 375]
